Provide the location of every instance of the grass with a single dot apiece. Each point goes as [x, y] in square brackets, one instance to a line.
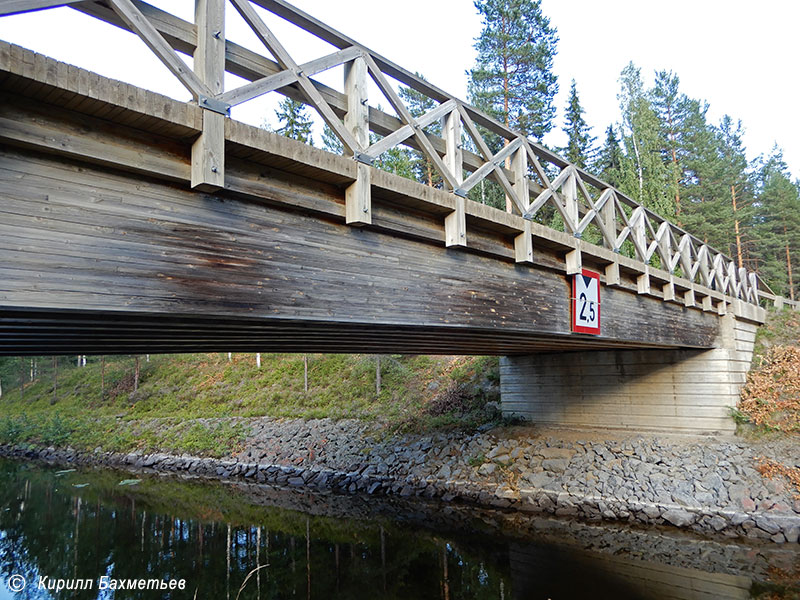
[181, 400]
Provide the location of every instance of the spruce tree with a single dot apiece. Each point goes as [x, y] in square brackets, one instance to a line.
[779, 226]
[513, 78]
[580, 142]
[330, 141]
[608, 162]
[296, 122]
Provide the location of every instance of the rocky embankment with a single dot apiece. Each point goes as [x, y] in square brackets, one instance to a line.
[708, 485]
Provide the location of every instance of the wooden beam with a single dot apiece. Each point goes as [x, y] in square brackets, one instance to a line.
[15, 7]
[574, 262]
[455, 224]
[612, 274]
[358, 196]
[153, 39]
[406, 116]
[523, 246]
[313, 95]
[208, 151]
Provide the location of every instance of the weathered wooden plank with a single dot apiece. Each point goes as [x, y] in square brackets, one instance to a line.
[468, 291]
[13, 7]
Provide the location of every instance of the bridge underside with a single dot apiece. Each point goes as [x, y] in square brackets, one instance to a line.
[26, 332]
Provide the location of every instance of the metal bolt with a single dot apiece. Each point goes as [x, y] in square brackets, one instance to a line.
[364, 102]
[217, 34]
[366, 210]
[214, 169]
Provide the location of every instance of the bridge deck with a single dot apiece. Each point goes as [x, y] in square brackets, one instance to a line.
[106, 249]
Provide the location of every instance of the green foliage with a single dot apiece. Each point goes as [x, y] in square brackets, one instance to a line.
[643, 174]
[296, 122]
[580, 142]
[513, 77]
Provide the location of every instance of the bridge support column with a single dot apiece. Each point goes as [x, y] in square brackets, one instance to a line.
[683, 391]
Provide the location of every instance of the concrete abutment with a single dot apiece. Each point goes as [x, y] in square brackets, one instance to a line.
[678, 391]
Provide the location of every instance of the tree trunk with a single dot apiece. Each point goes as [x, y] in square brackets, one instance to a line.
[378, 375]
[136, 375]
[736, 229]
[788, 265]
[55, 380]
[102, 377]
[21, 378]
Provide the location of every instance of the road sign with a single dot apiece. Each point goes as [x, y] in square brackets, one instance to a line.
[586, 302]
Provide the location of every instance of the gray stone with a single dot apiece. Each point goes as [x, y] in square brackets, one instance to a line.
[556, 453]
[539, 480]
[557, 465]
[502, 459]
[679, 517]
[487, 469]
[652, 511]
[717, 523]
[792, 534]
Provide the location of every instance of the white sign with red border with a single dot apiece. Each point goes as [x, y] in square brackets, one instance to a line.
[586, 302]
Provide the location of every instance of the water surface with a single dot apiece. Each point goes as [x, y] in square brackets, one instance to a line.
[84, 525]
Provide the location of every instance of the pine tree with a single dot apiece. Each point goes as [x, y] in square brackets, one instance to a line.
[513, 78]
[580, 142]
[296, 122]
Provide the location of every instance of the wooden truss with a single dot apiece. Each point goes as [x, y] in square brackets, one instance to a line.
[532, 178]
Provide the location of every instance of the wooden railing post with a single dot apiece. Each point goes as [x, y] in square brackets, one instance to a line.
[358, 197]
[208, 151]
[608, 215]
[455, 224]
[570, 192]
[523, 243]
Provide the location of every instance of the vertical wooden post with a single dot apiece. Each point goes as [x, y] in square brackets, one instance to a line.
[136, 375]
[523, 243]
[570, 192]
[102, 377]
[55, 380]
[455, 224]
[608, 215]
[358, 199]
[378, 375]
[638, 232]
[305, 373]
[208, 151]
[21, 378]
[258, 360]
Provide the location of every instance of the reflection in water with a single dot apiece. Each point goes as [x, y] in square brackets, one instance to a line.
[218, 538]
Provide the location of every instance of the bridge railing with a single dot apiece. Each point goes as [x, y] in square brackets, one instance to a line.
[533, 179]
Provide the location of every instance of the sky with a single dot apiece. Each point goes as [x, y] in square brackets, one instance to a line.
[738, 56]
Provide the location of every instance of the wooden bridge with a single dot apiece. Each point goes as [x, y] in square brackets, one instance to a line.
[132, 222]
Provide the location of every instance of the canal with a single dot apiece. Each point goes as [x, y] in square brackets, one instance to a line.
[112, 534]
